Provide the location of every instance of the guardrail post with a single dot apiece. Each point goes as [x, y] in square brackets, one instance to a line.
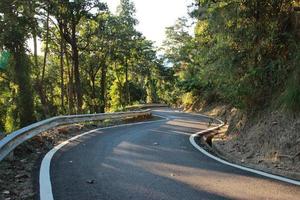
[2, 135]
[11, 156]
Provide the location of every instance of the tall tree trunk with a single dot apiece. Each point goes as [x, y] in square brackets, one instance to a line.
[93, 80]
[34, 35]
[42, 92]
[127, 97]
[120, 86]
[77, 79]
[62, 90]
[70, 84]
[75, 58]
[25, 105]
[151, 90]
[103, 88]
[46, 49]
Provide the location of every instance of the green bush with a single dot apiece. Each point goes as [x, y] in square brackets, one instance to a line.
[187, 99]
[291, 96]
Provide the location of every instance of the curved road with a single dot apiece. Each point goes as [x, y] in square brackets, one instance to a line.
[153, 161]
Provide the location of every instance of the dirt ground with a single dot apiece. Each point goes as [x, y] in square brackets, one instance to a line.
[19, 174]
[271, 143]
[268, 141]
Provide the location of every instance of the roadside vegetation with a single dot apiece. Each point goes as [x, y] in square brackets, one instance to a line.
[92, 61]
[244, 53]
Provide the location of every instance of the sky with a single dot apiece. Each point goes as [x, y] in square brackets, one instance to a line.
[155, 15]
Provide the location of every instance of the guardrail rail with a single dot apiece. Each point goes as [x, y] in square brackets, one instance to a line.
[11, 141]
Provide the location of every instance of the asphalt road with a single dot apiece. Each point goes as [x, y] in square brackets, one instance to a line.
[154, 161]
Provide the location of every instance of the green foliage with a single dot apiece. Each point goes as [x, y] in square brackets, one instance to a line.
[10, 123]
[116, 96]
[188, 99]
[93, 61]
[242, 53]
[8, 111]
[136, 92]
[15, 24]
[291, 97]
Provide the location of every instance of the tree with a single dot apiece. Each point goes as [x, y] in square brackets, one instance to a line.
[93, 61]
[69, 15]
[126, 12]
[14, 26]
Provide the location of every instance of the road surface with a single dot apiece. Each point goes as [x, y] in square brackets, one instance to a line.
[154, 161]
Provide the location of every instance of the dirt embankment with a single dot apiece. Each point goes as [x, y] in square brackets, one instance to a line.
[269, 140]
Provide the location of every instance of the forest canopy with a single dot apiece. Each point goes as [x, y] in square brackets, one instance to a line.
[93, 61]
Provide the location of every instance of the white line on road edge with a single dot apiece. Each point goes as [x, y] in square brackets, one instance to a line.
[45, 180]
[194, 143]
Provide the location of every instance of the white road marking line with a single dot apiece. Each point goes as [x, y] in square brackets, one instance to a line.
[45, 179]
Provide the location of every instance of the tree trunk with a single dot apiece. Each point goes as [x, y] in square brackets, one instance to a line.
[127, 98]
[35, 48]
[103, 88]
[42, 92]
[34, 36]
[93, 80]
[75, 58]
[25, 105]
[46, 50]
[62, 90]
[120, 87]
[70, 84]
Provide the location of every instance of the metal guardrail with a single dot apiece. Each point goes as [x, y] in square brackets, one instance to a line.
[11, 141]
[145, 106]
